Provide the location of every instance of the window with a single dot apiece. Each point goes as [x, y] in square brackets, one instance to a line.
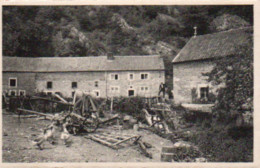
[144, 88]
[74, 85]
[49, 85]
[114, 89]
[13, 82]
[96, 93]
[12, 92]
[22, 93]
[131, 76]
[144, 76]
[204, 92]
[114, 76]
[96, 83]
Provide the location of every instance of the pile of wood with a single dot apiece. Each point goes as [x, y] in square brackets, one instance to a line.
[82, 114]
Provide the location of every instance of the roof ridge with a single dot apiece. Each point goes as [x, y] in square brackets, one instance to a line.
[181, 50]
[85, 56]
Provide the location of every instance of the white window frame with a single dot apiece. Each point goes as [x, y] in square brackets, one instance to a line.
[97, 84]
[201, 86]
[9, 93]
[144, 73]
[115, 91]
[22, 91]
[96, 91]
[112, 76]
[16, 82]
[145, 88]
[129, 76]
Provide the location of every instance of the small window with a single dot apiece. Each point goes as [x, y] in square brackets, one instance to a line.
[144, 76]
[114, 89]
[131, 76]
[12, 92]
[13, 82]
[74, 85]
[22, 93]
[72, 94]
[204, 92]
[49, 85]
[114, 76]
[144, 88]
[96, 93]
[96, 83]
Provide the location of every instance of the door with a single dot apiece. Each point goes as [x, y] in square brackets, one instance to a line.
[131, 92]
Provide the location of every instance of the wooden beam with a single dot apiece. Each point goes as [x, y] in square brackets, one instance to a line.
[43, 98]
[125, 140]
[35, 112]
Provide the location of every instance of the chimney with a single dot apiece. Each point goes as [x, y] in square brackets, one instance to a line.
[110, 56]
[195, 31]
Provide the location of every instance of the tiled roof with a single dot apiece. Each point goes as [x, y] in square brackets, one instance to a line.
[214, 45]
[73, 64]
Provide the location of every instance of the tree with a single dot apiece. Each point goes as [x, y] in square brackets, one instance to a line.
[234, 76]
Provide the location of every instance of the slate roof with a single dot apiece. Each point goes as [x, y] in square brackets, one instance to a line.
[214, 45]
[76, 64]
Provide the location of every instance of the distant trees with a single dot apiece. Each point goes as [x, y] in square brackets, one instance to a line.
[35, 30]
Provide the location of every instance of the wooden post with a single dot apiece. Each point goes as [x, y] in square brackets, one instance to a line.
[111, 104]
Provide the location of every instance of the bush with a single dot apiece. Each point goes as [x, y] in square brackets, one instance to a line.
[219, 145]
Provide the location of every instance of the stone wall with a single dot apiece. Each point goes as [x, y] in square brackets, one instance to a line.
[25, 81]
[188, 76]
[62, 82]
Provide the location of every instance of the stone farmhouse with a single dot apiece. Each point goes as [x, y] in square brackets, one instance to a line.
[102, 76]
[197, 57]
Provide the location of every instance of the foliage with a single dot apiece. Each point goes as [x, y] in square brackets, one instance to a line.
[131, 106]
[34, 30]
[217, 144]
[234, 77]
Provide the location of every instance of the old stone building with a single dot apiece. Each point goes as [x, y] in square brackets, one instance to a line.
[103, 76]
[197, 57]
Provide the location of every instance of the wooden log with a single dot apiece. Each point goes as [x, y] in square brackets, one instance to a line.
[148, 117]
[59, 97]
[107, 138]
[43, 98]
[101, 141]
[122, 137]
[81, 118]
[124, 140]
[143, 149]
[92, 104]
[34, 112]
[110, 119]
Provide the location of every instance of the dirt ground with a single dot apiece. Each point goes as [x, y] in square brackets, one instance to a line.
[17, 145]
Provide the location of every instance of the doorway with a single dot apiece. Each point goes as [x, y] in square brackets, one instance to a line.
[131, 93]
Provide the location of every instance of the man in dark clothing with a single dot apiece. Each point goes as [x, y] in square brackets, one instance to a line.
[162, 88]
